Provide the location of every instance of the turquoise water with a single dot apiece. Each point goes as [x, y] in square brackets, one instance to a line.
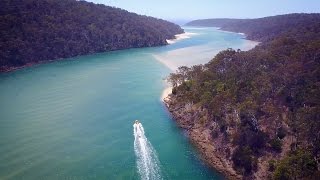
[73, 119]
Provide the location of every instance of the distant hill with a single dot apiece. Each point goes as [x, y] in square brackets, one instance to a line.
[263, 29]
[219, 22]
[256, 114]
[34, 31]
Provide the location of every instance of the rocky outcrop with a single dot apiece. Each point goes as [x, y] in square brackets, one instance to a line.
[216, 148]
[214, 153]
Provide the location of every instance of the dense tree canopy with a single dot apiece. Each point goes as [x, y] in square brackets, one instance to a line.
[33, 30]
[275, 85]
[267, 28]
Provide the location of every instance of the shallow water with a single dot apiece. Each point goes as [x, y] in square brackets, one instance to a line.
[73, 119]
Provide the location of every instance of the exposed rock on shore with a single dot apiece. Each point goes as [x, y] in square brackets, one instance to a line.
[212, 153]
[215, 147]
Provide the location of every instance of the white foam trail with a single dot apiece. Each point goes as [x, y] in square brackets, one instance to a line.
[147, 160]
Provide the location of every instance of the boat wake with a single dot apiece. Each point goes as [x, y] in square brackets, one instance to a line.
[147, 160]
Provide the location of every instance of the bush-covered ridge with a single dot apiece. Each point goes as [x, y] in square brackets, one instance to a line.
[33, 31]
[264, 103]
[267, 28]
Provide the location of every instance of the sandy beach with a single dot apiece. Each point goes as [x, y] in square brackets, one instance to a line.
[194, 55]
[179, 37]
[165, 93]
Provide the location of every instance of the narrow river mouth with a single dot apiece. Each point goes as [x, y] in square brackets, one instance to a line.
[73, 119]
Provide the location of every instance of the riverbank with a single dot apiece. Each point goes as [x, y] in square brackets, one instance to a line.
[78, 100]
[185, 35]
[190, 118]
[245, 120]
[165, 94]
[9, 69]
[201, 53]
[6, 69]
[39, 42]
[187, 118]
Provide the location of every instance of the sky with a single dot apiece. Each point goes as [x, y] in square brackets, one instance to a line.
[201, 9]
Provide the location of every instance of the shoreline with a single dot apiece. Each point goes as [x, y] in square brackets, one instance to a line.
[165, 93]
[209, 152]
[200, 137]
[249, 44]
[242, 34]
[31, 64]
[222, 30]
[6, 69]
[178, 37]
[185, 35]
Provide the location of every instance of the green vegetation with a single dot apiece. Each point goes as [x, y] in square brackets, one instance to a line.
[281, 133]
[299, 164]
[276, 144]
[267, 28]
[272, 165]
[34, 31]
[242, 158]
[274, 89]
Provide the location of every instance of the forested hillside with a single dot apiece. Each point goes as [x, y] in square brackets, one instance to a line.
[33, 31]
[265, 29]
[261, 108]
